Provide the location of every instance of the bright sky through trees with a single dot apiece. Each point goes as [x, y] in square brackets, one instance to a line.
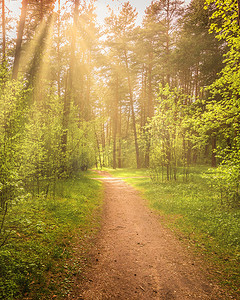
[139, 4]
[101, 6]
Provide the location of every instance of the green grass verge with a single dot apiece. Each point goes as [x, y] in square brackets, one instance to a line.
[193, 210]
[38, 262]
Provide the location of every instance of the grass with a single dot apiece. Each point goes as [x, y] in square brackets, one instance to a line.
[193, 210]
[38, 260]
[128, 173]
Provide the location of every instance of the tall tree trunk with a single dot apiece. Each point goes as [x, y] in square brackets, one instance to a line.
[115, 125]
[69, 85]
[41, 10]
[168, 40]
[214, 147]
[150, 109]
[3, 33]
[99, 150]
[144, 96]
[103, 142]
[132, 110]
[58, 50]
[197, 81]
[88, 90]
[66, 112]
[150, 93]
[73, 44]
[19, 39]
[168, 156]
[120, 138]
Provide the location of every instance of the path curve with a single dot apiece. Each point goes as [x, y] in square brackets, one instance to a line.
[137, 258]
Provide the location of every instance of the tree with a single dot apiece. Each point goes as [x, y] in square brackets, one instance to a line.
[155, 45]
[204, 52]
[168, 131]
[222, 113]
[87, 58]
[12, 116]
[69, 84]
[19, 39]
[119, 32]
[151, 44]
[37, 12]
[224, 90]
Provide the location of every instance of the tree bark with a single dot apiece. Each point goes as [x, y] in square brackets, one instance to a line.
[132, 110]
[197, 81]
[66, 112]
[115, 125]
[58, 50]
[150, 93]
[87, 113]
[168, 40]
[69, 85]
[103, 142]
[119, 138]
[41, 10]
[150, 110]
[73, 44]
[19, 39]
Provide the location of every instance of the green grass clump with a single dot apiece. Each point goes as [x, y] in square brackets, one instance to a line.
[33, 262]
[193, 209]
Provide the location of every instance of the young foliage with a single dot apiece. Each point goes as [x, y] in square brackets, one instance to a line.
[225, 110]
[12, 118]
[168, 135]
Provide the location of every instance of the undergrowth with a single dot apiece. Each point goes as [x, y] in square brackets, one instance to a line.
[194, 210]
[33, 262]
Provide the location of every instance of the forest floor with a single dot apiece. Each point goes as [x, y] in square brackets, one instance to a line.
[136, 257]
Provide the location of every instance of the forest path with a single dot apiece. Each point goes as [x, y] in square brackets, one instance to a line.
[137, 258]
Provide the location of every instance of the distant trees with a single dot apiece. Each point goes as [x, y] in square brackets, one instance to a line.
[168, 150]
[140, 65]
[204, 52]
[149, 46]
[204, 61]
[156, 42]
[120, 33]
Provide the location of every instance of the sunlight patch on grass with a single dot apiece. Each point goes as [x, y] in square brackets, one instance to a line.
[128, 172]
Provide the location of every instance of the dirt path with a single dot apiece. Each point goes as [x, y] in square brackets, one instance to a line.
[136, 258]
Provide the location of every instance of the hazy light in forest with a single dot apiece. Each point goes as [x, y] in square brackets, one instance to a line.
[44, 66]
[101, 7]
[31, 51]
[30, 48]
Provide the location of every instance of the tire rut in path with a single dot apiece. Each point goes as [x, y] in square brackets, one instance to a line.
[137, 258]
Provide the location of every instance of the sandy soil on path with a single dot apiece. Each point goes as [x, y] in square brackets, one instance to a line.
[137, 258]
